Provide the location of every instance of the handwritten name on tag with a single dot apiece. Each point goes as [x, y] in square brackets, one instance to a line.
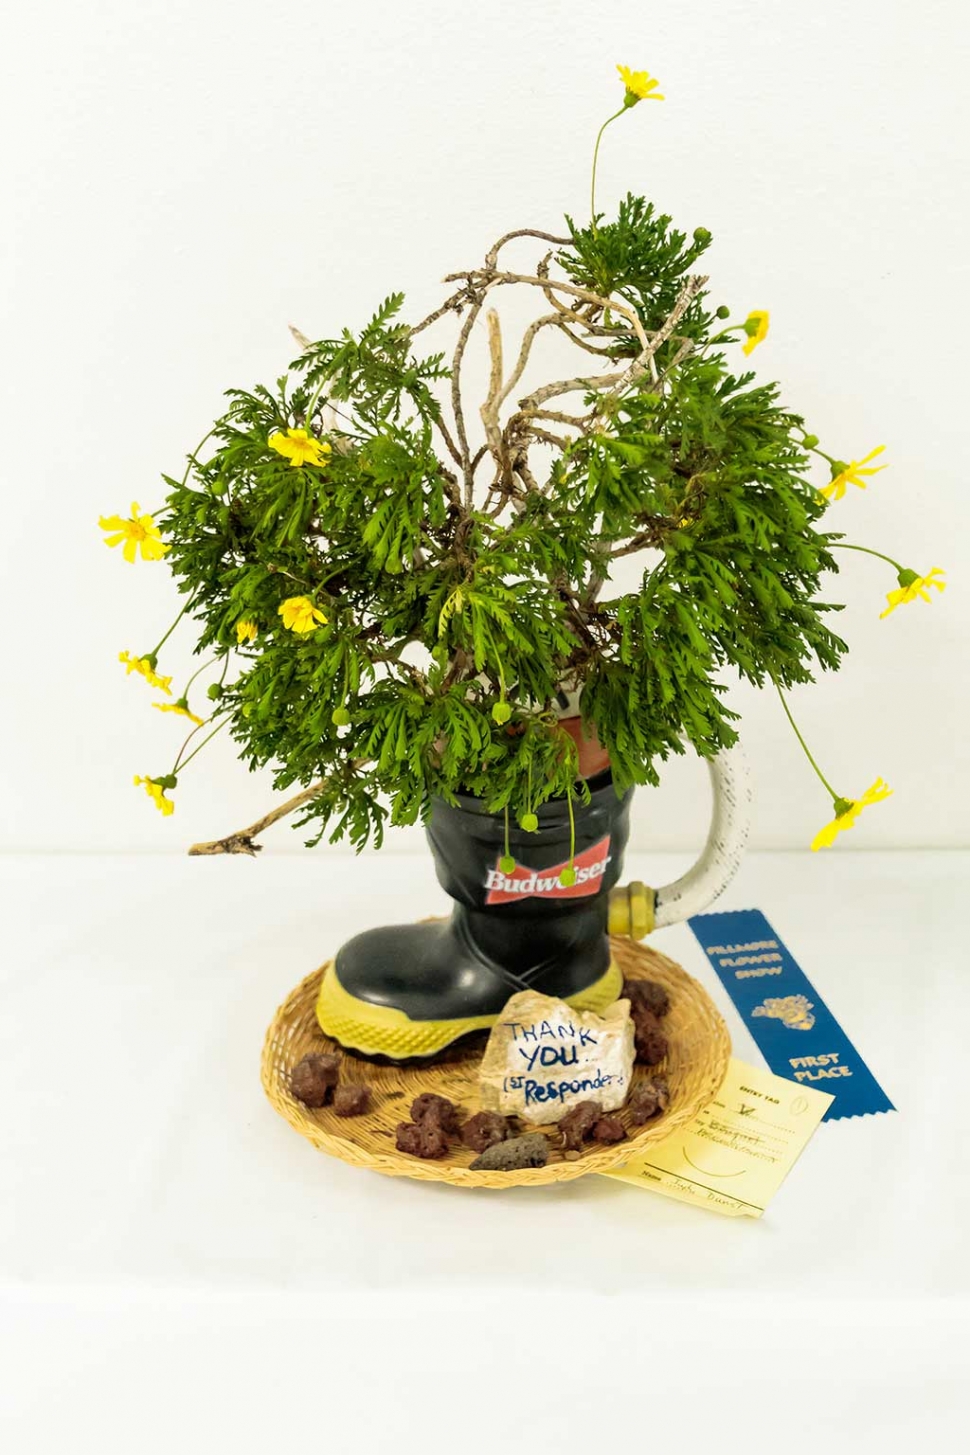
[542, 1057]
[735, 1154]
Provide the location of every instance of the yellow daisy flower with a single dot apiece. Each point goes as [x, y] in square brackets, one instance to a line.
[847, 810]
[182, 708]
[139, 532]
[146, 666]
[851, 474]
[912, 586]
[300, 615]
[639, 86]
[245, 631]
[756, 327]
[300, 448]
[156, 793]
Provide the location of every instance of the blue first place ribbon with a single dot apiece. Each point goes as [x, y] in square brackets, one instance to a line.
[794, 1029]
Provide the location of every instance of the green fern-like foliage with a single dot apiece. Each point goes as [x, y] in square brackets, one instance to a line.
[455, 614]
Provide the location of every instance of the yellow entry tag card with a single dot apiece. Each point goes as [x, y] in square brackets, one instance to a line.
[735, 1154]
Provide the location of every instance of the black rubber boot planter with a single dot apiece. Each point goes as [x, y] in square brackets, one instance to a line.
[535, 921]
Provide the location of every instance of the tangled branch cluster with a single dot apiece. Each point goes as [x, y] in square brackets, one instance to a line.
[400, 631]
[407, 610]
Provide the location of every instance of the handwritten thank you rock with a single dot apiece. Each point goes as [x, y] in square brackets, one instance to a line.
[543, 1056]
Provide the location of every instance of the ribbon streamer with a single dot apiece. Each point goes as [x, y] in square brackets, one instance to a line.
[792, 1026]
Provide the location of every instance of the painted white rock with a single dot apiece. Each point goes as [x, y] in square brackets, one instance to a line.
[543, 1057]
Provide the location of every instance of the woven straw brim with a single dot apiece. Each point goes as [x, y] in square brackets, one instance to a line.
[695, 1066]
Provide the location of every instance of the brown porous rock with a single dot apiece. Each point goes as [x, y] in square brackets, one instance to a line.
[578, 1124]
[483, 1130]
[648, 1099]
[421, 1139]
[429, 1107]
[648, 1038]
[351, 1100]
[648, 995]
[313, 1079]
[609, 1129]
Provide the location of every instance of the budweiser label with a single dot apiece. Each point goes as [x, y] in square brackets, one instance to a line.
[526, 883]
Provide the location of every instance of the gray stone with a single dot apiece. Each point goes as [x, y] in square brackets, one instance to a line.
[532, 1150]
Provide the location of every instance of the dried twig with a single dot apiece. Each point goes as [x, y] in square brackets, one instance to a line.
[547, 437]
[489, 278]
[457, 301]
[640, 364]
[491, 257]
[478, 457]
[489, 410]
[242, 841]
[454, 304]
[456, 405]
[451, 486]
[578, 421]
[446, 436]
[588, 383]
[528, 338]
[582, 343]
[686, 347]
[652, 536]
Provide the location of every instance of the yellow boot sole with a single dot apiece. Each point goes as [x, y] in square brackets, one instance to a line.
[380, 1030]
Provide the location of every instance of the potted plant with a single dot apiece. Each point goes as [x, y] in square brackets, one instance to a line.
[405, 606]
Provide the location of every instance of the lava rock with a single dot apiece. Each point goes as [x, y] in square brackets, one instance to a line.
[351, 1100]
[313, 1079]
[648, 1100]
[647, 995]
[578, 1124]
[438, 1110]
[483, 1130]
[649, 1040]
[532, 1150]
[421, 1139]
[609, 1129]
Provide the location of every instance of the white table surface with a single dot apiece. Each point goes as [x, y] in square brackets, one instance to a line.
[180, 1271]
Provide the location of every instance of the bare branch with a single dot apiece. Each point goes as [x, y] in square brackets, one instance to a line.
[458, 300]
[489, 410]
[454, 304]
[491, 257]
[686, 347]
[521, 468]
[241, 842]
[588, 383]
[652, 536]
[582, 343]
[578, 421]
[549, 438]
[542, 271]
[640, 364]
[528, 339]
[490, 278]
[466, 464]
[570, 315]
[451, 486]
[446, 436]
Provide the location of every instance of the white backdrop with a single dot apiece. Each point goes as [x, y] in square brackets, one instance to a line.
[182, 178]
